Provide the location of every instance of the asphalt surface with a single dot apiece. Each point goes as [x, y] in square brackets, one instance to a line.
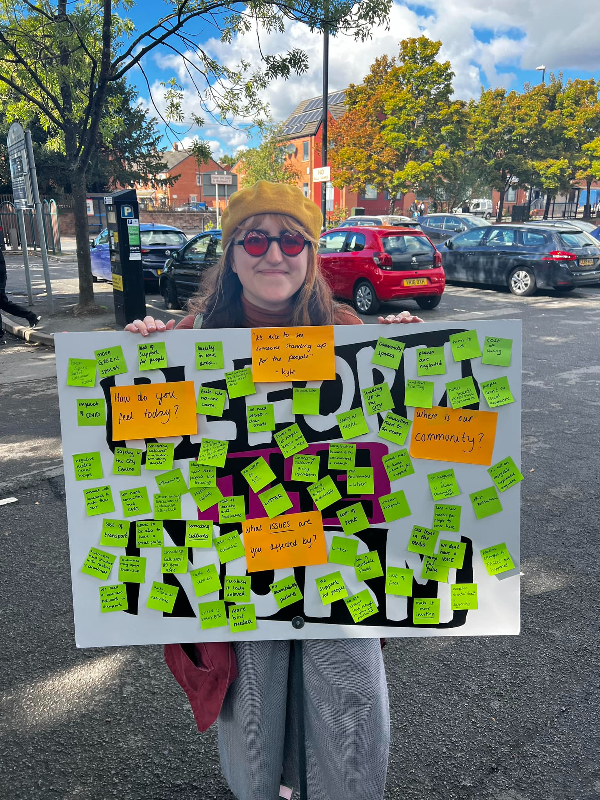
[512, 718]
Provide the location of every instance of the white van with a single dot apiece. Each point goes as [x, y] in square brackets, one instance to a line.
[480, 207]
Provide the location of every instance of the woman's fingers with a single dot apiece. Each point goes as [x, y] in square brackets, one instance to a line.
[149, 325]
[402, 317]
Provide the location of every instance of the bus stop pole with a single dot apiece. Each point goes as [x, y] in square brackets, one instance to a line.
[39, 219]
[23, 237]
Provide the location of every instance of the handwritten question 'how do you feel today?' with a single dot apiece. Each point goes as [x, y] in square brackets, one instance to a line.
[153, 410]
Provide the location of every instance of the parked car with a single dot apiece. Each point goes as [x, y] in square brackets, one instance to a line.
[579, 224]
[192, 207]
[368, 265]
[385, 220]
[523, 257]
[481, 207]
[158, 242]
[440, 227]
[183, 271]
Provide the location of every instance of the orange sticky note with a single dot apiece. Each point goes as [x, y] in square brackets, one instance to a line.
[153, 410]
[293, 354]
[293, 540]
[456, 435]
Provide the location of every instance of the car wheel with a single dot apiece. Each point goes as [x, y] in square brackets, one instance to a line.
[522, 282]
[429, 302]
[488, 215]
[170, 296]
[365, 299]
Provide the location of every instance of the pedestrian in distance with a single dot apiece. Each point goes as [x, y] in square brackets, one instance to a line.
[10, 307]
[269, 276]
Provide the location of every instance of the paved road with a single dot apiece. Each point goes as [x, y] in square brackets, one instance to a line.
[472, 719]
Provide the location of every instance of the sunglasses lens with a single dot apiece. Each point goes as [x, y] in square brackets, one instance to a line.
[292, 243]
[255, 243]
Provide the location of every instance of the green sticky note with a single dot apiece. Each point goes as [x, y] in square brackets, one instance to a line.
[198, 533]
[422, 540]
[378, 398]
[162, 597]
[159, 455]
[465, 345]
[443, 484]
[152, 355]
[207, 497]
[434, 570]
[431, 361]
[305, 468]
[211, 401]
[446, 517]
[202, 476]
[452, 554]
[388, 353]
[174, 560]
[395, 428]
[229, 547]
[398, 465]
[135, 502]
[505, 474]
[399, 580]
[115, 533]
[353, 519]
[81, 372]
[352, 423]
[426, 611]
[360, 481]
[98, 563]
[212, 614]
[419, 394]
[213, 453]
[209, 355]
[258, 474]
[91, 413]
[331, 587]
[132, 569]
[148, 533]
[286, 592]
[394, 506]
[497, 392]
[463, 597]
[98, 501]
[497, 352]
[172, 482]
[205, 580]
[367, 566]
[343, 551]
[236, 588]
[232, 509]
[260, 418]
[127, 461]
[240, 383]
[113, 598]
[462, 392]
[242, 618]
[88, 466]
[290, 440]
[110, 361]
[306, 401]
[324, 492]
[275, 501]
[497, 559]
[341, 456]
[486, 502]
[167, 506]
[361, 605]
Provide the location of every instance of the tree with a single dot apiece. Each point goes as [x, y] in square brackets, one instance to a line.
[401, 129]
[227, 160]
[267, 162]
[60, 58]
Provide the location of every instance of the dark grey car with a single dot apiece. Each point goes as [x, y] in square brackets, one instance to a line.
[440, 227]
[184, 270]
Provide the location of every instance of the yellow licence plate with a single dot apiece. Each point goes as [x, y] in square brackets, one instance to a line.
[586, 262]
[159, 271]
[415, 282]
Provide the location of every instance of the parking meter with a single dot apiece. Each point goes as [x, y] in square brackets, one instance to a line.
[122, 214]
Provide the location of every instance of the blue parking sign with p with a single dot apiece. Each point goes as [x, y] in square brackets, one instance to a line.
[126, 212]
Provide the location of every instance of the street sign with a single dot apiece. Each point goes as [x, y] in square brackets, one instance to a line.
[321, 174]
[127, 212]
[227, 179]
[19, 166]
[89, 205]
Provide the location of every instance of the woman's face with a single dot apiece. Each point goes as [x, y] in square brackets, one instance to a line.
[269, 281]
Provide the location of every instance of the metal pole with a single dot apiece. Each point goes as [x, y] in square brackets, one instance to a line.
[217, 195]
[325, 98]
[299, 681]
[23, 236]
[39, 220]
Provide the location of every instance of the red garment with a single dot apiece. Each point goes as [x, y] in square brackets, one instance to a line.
[206, 682]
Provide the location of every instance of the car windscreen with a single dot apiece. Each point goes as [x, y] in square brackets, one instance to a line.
[165, 238]
[398, 245]
[577, 239]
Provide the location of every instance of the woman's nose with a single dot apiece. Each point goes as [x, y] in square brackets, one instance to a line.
[274, 254]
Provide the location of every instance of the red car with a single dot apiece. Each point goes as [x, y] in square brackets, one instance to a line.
[372, 265]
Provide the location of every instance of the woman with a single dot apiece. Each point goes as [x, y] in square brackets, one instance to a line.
[269, 276]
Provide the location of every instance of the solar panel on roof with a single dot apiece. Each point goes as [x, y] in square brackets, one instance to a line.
[317, 102]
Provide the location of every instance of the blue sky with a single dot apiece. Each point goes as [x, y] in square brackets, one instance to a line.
[491, 43]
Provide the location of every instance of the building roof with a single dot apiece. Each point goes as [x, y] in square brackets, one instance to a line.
[173, 157]
[306, 117]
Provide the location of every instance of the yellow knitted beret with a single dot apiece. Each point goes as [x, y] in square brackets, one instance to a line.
[265, 197]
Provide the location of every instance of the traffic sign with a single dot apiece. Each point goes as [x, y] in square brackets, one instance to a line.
[321, 174]
[227, 179]
[127, 212]
[19, 166]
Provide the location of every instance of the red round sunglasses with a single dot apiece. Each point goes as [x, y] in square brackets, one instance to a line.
[256, 243]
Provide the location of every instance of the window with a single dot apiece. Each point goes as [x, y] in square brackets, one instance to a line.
[305, 151]
[215, 248]
[469, 239]
[454, 224]
[305, 190]
[331, 243]
[577, 239]
[165, 238]
[501, 237]
[356, 242]
[193, 198]
[511, 195]
[197, 250]
[370, 192]
[531, 239]
[398, 245]
[103, 238]
[434, 222]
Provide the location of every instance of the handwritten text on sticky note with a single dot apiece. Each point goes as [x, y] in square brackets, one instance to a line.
[154, 410]
[295, 540]
[298, 354]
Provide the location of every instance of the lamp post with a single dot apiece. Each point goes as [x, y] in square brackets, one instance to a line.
[542, 69]
[325, 108]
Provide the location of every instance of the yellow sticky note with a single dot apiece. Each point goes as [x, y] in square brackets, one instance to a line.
[154, 410]
[293, 354]
[294, 540]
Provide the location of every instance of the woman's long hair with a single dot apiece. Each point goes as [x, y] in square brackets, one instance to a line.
[219, 297]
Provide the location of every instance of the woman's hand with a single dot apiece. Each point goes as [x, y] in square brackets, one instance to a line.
[149, 325]
[403, 316]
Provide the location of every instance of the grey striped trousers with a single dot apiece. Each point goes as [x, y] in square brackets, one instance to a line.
[346, 718]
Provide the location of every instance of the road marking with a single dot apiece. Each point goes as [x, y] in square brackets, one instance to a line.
[8, 500]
